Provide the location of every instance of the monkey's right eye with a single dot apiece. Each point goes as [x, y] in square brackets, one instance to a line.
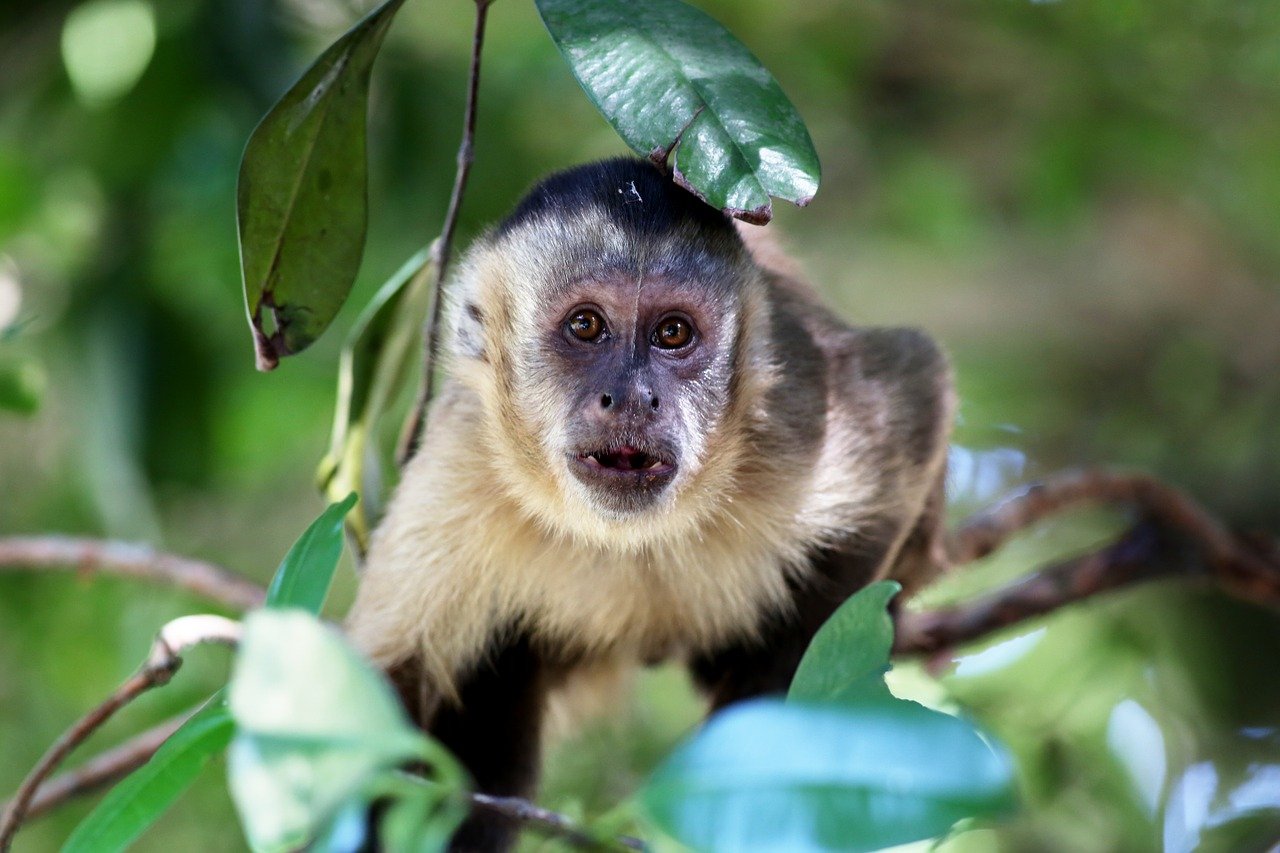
[586, 325]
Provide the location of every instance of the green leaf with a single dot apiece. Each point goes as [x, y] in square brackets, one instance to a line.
[667, 76]
[302, 205]
[382, 346]
[773, 775]
[21, 386]
[306, 573]
[848, 657]
[143, 796]
[315, 725]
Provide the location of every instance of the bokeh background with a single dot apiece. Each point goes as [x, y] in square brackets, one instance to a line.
[1081, 199]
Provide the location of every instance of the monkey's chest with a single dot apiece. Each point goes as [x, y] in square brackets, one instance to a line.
[648, 608]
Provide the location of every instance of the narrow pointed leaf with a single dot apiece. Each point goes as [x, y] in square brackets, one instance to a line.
[669, 77]
[138, 801]
[848, 657]
[375, 362]
[302, 195]
[769, 775]
[306, 573]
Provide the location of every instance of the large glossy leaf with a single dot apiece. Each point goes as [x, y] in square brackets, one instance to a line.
[143, 796]
[667, 76]
[315, 725]
[382, 345]
[769, 775]
[306, 573]
[848, 657]
[302, 195]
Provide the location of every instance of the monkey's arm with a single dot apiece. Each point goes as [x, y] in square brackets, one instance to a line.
[494, 729]
[891, 401]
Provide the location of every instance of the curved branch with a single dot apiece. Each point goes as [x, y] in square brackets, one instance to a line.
[1177, 538]
[986, 531]
[162, 662]
[103, 770]
[126, 559]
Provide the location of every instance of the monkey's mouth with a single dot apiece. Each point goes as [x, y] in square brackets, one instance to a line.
[623, 469]
[625, 458]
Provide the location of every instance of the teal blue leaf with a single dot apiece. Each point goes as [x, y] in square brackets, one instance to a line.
[774, 775]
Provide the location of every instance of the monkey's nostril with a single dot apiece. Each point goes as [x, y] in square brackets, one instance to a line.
[605, 401]
[653, 404]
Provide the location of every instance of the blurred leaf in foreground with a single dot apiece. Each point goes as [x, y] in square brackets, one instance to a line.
[776, 775]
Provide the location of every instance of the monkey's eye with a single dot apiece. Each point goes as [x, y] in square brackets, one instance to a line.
[585, 325]
[672, 333]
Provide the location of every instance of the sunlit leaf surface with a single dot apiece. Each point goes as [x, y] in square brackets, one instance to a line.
[669, 77]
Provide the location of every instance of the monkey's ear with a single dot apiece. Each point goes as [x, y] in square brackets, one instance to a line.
[468, 333]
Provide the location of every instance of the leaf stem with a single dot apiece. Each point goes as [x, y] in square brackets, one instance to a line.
[412, 434]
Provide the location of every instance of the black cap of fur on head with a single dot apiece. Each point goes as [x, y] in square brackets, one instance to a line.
[634, 194]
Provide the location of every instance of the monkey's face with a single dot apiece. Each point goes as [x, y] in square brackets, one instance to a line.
[637, 359]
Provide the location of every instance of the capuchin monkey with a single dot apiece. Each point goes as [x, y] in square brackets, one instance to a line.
[654, 443]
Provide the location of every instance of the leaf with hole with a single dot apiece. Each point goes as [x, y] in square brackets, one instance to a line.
[301, 201]
[774, 775]
[848, 657]
[671, 80]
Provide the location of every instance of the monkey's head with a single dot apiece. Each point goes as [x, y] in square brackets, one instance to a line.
[608, 324]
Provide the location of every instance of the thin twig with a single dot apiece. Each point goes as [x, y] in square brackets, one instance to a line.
[131, 560]
[162, 662]
[553, 823]
[102, 770]
[412, 433]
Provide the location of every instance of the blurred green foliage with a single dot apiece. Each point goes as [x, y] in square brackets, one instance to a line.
[1081, 199]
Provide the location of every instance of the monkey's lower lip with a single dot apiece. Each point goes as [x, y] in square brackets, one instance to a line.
[625, 464]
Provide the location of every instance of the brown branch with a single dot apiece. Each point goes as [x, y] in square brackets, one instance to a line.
[413, 427]
[162, 662]
[1176, 538]
[129, 560]
[103, 770]
[988, 530]
[553, 823]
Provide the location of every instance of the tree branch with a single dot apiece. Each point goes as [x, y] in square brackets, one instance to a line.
[130, 560]
[162, 662]
[553, 823]
[102, 770]
[1176, 538]
[413, 427]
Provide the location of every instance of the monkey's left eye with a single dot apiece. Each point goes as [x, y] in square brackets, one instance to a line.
[672, 333]
[585, 325]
